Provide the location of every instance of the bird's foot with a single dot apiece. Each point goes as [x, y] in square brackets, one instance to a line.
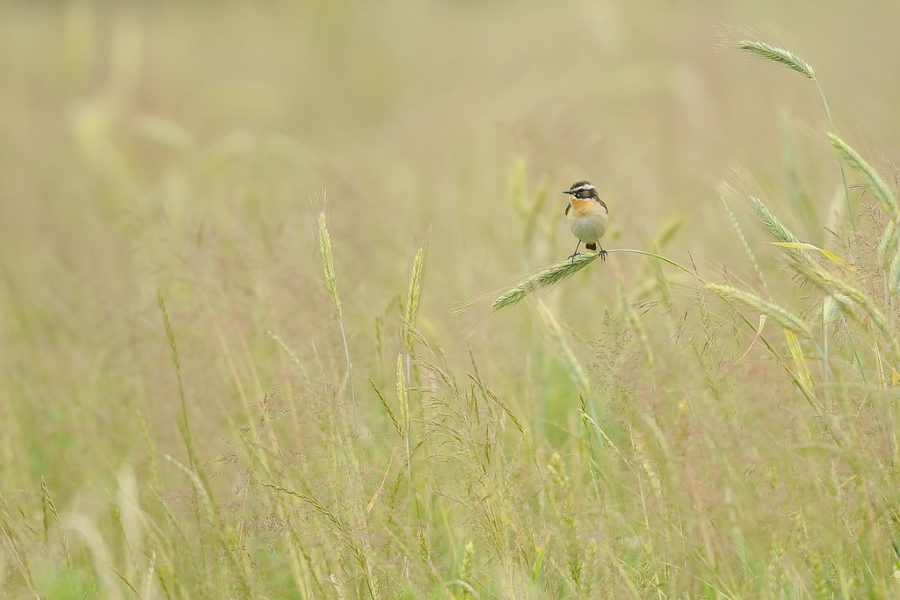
[602, 254]
[572, 258]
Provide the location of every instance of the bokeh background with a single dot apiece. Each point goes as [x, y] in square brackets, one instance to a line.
[187, 149]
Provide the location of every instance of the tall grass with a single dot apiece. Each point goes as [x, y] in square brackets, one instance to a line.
[793, 61]
[708, 413]
[331, 287]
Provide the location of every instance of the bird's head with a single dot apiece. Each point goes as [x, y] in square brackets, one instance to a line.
[583, 190]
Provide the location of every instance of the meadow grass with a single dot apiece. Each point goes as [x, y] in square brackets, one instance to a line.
[792, 61]
[216, 387]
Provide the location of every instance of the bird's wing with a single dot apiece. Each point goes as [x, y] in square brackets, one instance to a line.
[568, 206]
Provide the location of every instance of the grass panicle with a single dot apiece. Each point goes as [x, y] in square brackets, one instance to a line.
[48, 505]
[802, 375]
[829, 282]
[413, 295]
[894, 273]
[791, 60]
[544, 279]
[347, 536]
[387, 407]
[778, 55]
[780, 315]
[870, 177]
[328, 264]
[556, 274]
[640, 332]
[888, 244]
[402, 396]
[238, 567]
[780, 233]
[465, 564]
[840, 289]
[826, 253]
[831, 307]
[184, 425]
[331, 287]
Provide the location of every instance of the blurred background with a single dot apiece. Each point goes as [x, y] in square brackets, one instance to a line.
[188, 148]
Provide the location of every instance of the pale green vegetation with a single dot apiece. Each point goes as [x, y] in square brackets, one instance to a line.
[235, 236]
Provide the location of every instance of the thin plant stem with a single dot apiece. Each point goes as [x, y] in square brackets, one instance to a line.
[840, 160]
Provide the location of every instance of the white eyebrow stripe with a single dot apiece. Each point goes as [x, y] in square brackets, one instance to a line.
[583, 187]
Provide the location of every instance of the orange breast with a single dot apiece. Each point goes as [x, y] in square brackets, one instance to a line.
[584, 208]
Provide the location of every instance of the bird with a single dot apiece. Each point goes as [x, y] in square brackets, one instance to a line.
[587, 215]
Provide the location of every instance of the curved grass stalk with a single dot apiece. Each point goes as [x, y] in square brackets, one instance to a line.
[559, 272]
[656, 256]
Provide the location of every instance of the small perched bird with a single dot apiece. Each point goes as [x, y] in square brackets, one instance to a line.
[587, 215]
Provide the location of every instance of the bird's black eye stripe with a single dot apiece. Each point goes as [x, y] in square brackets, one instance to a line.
[582, 189]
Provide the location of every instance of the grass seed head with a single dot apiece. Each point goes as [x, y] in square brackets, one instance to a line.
[780, 315]
[328, 264]
[545, 279]
[778, 55]
[870, 177]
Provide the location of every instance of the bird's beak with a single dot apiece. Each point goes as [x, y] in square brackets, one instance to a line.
[570, 192]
